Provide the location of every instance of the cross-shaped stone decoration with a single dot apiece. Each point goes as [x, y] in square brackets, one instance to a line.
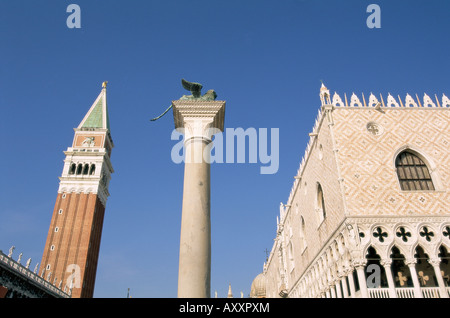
[423, 278]
[401, 279]
[403, 234]
[373, 129]
[447, 232]
[380, 234]
[425, 233]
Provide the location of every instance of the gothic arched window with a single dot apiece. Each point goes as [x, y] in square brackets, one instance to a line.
[302, 234]
[412, 172]
[320, 203]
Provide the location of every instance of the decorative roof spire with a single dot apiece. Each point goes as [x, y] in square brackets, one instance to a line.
[97, 116]
[324, 95]
[230, 294]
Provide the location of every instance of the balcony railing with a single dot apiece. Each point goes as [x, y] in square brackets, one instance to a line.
[405, 292]
[378, 292]
[408, 292]
[430, 292]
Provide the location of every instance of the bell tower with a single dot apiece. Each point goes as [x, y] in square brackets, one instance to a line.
[71, 251]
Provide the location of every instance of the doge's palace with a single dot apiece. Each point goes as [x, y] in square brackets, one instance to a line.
[368, 214]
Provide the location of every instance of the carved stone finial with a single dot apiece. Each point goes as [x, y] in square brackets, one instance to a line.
[427, 102]
[354, 101]
[324, 94]
[391, 101]
[337, 101]
[445, 101]
[373, 101]
[409, 101]
[11, 251]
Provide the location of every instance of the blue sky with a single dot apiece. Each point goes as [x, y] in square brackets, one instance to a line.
[265, 58]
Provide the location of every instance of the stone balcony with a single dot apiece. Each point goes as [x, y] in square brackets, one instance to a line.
[406, 292]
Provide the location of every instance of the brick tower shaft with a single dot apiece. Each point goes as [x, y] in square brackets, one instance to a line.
[72, 248]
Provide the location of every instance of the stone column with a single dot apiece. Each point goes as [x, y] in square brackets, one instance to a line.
[338, 288]
[411, 263]
[360, 266]
[386, 263]
[344, 286]
[362, 281]
[351, 282]
[197, 119]
[437, 272]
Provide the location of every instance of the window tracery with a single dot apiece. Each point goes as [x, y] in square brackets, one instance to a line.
[412, 172]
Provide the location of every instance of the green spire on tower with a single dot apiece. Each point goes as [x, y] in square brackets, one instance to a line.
[97, 116]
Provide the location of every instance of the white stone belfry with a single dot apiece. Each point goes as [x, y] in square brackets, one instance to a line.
[198, 120]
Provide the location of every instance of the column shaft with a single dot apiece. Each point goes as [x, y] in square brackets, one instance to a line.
[437, 272]
[362, 281]
[390, 280]
[344, 286]
[351, 282]
[195, 240]
[416, 283]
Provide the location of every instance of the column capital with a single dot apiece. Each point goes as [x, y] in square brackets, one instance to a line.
[386, 262]
[331, 282]
[359, 262]
[434, 261]
[410, 262]
[347, 271]
[199, 118]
